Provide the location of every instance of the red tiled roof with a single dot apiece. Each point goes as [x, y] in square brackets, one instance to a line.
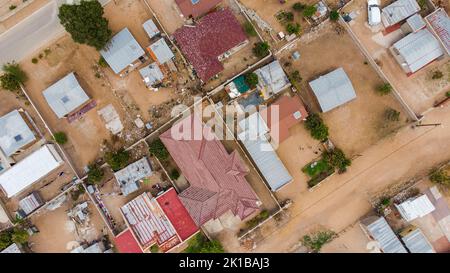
[195, 10]
[177, 214]
[287, 106]
[202, 44]
[217, 178]
[126, 243]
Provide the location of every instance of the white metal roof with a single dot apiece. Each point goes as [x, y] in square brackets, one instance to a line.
[416, 242]
[150, 28]
[416, 22]
[333, 89]
[14, 133]
[65, 95]
[129, 177]
[382, 232]
[440, 23]
[162, 51]
[31, 203]
[14, 248]
[30, 169]
[415, 207]
[98, 247]
[418, 49]
[272, 78]
[398, 11]
[122, 51]
[254, 126]
[151, 74]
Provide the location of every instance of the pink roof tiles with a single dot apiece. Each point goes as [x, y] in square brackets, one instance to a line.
[195, 10]
[202, 44]
[217, 178]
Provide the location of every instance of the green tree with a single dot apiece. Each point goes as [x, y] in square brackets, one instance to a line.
[251, 79]
[200, 244]
[298, 6]
[334, 15]
[309, 11]
[85, 23]
[317, 127]
[261, 49]
[5, 239]
[60, 138]
[102, 62]
[12, 77]
[174, 174]
[293, 28]
[19, 236]
[95, 174]
[117, 160]
[392, 114]
[440, 177]
[447, 94]
[296, 77]
[337, 159]
[249, 29]
[158, 149]
[384, 89]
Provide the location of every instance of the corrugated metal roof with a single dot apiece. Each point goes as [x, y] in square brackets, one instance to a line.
[416, 22]
[150, 28]
[416, 242]
[418, 49]
[151, 74]
[333, 89]
[382, 232]
[30, 169]
[415, 207]
[161, 51]
[14, 133]
[122, 51]
[272, 79]
[129, 177]
[31, 203]
[14, 248]
[398, 11]
[254, 125]
[440, 22]
[65, 95]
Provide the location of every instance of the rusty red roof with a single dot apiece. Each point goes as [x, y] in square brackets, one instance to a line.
[195, 10]
[217, 178]
[212, 36]
[126, 243]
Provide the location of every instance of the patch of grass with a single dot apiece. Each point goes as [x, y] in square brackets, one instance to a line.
[249, 29]
[102, 62]
[309, 11]
[295, 77]
[200, 244]
[293, 28]
[384, 89]
[440, 177]
[392, 115]
[117, 160]
[158, 149]
[263, 215]
[60, 138]
[316, 241]
[316, 167]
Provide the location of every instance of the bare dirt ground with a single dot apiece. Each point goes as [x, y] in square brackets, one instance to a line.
[419, 90]
[351, 240]
[168, 13]
[360, 123]
[58, 234]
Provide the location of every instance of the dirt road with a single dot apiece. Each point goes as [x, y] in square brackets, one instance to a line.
[342, 200]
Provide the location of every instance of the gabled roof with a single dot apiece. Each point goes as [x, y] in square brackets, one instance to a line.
[415, 207]
[160, 51]
[333, 89]
[380, 230]
[440, 23]
[150, 28]
[121, 51]
[418, 49]
[14, 133]
[416, 22]
[196, 8]
[151, 74]
[416, 242]
[65, 95]
[272, 79]
[129, 177]
[398, 11]
[217, 178]
[212, 36]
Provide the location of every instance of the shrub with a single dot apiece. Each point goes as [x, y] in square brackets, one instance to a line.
[293, 28]
[158, 149]
[154, 248]
[5, 239]
[440, 177]
[95, 174]
[13, 77]
[296, 77]
[200, 244]
[117, 160]
[437, 75]
[35, 60]
[392, 114]
[174, 174]
[309, 11]
[334, 15]
[384, 89]
[298, 6]
[249, 29]
[447, 94]
[317, 127]
[261, 49]
[316, 241]
[19, 236]
[263, 215]
[12, 7]
[102, 62]
[60, 137]
[337, 159]
[251, 79]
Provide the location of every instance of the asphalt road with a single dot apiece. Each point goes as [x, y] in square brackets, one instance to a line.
[32, 33]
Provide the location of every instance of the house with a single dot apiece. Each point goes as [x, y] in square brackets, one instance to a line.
[163, 220]
[415, 207]
[272, 79]
[15, 134]
[282, 114]
[30, 203]
[415, 241]
[333, 89]
[378, 229]
[439, 23]
[255, 140]
[30, 169]
[215, 37]
[160, 52]
[65, 96]
[196, 8]
[150, 28]
[398, 11]
[151, 74]
[122, 51]
[130, 177]
[216, 177]
[416, 50]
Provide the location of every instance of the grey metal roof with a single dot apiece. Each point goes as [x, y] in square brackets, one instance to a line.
[150, 28]
[122, 51]
[416, 242]
[162, 51]
[151, 74]
[272, 78]
[440, 22]
[14, 133]
[416, 22]
[129, 177]
[418, 49]
[398, 11]
[65, 95]
[382, 232]
[333, 89]
[31, 203]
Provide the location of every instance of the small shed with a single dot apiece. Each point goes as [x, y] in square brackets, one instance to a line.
[415, 207]
[398, 11]
[129, 177]
[14, 133]
[333, 89]
[151, 74]
[414, 24]
[30, 203]
[416, 242]
[160, 51]
[272, 79]
[379, 230]
[237, 87]
[150, 28]
[65, 96]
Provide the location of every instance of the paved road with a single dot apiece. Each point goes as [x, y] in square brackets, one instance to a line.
[32, 33]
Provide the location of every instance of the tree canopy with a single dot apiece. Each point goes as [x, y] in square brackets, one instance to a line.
[158, 149]
[261, 49]
[13, 77]
[251, 79]
[85, 23]
[117, 160]
[317, 127]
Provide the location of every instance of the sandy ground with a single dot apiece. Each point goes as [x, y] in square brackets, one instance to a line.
[419, 90]
[341, 202]
[351, 240]
[168, 14]
[358, 124]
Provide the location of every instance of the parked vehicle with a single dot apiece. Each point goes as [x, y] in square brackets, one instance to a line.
[374, 12]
